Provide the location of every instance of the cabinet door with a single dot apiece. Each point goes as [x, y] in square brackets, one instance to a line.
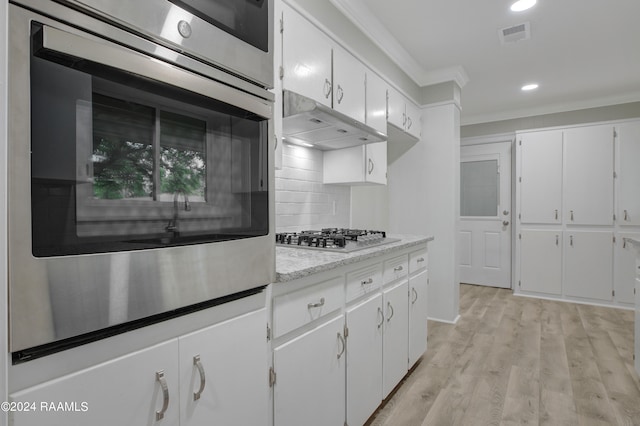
[349, 84]
[589, 264]
[364, 359]
[540, 176]
[310, 378]
[306, 58]
[376, 102]
[125, 390]
[376, 163]
[413, 126]
[417, 316]
[395, 352]
[221, 366]
[541, 261]
[637, 322]
[624, 273]
[588, 175]
[396, 109]
[628, 173]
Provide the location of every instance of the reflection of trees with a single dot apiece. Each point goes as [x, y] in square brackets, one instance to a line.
[122, 169]
[182, 171]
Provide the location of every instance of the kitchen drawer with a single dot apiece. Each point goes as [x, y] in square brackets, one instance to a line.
[418, 260]
[395, 268]
[363, 281]
[300, 307]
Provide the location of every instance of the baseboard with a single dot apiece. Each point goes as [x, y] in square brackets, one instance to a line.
[445, 321]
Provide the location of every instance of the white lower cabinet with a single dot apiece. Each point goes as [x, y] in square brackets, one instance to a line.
[335, 368]
[123, 391]
[222, 369]
[208, 376]
[395, 347]
[589, 264]
[309, 386]
[364, 359]
[541, 261]
[418, 288]
[624, 261]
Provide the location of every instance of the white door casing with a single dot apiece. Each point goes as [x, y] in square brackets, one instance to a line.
[485, 214]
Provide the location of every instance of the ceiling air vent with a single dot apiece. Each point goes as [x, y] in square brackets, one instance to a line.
[515, 33]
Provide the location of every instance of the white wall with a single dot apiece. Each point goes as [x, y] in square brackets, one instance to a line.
[370, 207]
[302, 200]
[3, 210]
[424, 198]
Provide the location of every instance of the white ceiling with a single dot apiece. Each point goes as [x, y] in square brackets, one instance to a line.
[583, 53]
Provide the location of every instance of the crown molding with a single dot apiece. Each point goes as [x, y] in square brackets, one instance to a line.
[551, 109]
[362, 17]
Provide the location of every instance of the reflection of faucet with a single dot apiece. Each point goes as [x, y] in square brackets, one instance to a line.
[172, 226]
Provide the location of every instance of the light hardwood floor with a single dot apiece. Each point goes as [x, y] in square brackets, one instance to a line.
[521, 361]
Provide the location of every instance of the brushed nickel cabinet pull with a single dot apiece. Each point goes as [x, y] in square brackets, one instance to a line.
[381, 317]
[343, 345]
[415, 293]
[316, 305]
[365, 282]
[198, 364]
[165, 394]
[389, 308]
[398, 268]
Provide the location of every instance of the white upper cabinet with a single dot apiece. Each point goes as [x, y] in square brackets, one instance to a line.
[358, 164]
[628, 173]
[396, 114]
[348, 84]
[413, 125]
[376, 102]
[588, 175]
[306, 58]
[403, 113]
[540, 177]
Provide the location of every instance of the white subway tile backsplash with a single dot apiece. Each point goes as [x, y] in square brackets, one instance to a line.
[302, 200]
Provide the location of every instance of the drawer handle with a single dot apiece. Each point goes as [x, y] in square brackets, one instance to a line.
[389, 308]
[365, 282]
[626, 215]
[398, 268]
[420, 259]
[571, 212]
[343, 345]
[381, 317]
[198, 364]
[415, 293]
[316, 305]
[556, 214]
[165, 394]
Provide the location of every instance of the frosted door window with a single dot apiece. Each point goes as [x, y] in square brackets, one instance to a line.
[479, 188]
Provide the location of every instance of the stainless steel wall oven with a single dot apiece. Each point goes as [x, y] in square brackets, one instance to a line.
[139, 177]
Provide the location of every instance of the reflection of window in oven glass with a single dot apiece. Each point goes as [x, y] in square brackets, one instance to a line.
[182, 157]
[124, 159]
[122, 149]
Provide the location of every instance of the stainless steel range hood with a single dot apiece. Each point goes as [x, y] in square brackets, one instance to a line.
[308, 122]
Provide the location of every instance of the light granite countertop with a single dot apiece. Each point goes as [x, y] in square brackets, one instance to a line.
[294, 263]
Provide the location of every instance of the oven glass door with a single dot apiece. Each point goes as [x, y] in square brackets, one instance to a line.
[122, 160]
[247, 20]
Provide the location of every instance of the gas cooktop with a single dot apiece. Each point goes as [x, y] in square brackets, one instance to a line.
[334, 239]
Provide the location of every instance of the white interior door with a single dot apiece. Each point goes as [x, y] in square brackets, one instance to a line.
[485, 214]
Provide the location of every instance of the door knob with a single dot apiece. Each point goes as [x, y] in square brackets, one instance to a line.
[505, 212]
[505, 223]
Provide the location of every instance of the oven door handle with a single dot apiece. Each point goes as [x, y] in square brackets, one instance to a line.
[122, 58]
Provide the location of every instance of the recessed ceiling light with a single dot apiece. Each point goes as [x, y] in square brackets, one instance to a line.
[528, 87]
[521, 5]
